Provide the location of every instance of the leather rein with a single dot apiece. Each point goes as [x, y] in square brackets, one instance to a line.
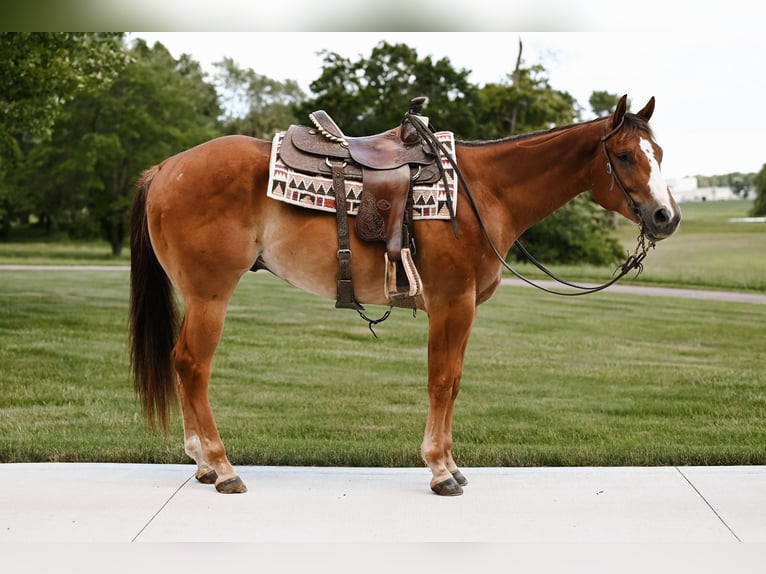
[633, 261]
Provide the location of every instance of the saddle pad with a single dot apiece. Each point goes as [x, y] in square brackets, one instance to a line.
[315, 191]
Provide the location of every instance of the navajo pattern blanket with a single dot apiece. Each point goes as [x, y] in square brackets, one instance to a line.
[315, 191]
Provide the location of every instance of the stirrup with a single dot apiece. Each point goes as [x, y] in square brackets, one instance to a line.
[413, 277]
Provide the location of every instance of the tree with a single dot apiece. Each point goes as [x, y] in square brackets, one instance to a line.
[524, 103]
[604, 103]
[740, 183]
[371, 95]
[254, 104]
[579, 232]
[39, 74]
[759, 182]
[83, 179]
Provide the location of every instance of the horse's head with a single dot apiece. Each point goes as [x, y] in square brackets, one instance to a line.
[628, 178]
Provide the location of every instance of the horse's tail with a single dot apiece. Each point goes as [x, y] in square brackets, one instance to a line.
[154, 317]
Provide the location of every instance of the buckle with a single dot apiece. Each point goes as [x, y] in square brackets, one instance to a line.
[344, 254]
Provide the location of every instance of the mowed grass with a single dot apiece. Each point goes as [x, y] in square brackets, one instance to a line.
[37, 252]
[607, 379]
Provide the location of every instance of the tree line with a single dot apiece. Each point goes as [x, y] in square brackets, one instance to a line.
[82, 114]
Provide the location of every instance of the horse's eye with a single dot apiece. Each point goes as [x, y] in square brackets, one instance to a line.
[623, 156]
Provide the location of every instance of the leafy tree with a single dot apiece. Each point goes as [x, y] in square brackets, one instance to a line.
[576, 233]
[83, 179]
[39, 73]
[759, 182]
[524, 103]
[370, 95]
[256, 105]
[580, 230]
[604, 103]
[740, 183]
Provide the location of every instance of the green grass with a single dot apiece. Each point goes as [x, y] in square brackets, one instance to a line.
[607, 379]
[60, 253]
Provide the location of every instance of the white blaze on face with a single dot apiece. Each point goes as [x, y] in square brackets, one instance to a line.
[657, 186]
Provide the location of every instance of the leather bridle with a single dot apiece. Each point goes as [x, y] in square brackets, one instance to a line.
[615, 178]
[633, 261]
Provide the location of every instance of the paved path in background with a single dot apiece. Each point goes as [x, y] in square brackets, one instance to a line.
[710, 295]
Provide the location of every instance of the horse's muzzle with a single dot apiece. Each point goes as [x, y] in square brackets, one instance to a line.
[660, 222]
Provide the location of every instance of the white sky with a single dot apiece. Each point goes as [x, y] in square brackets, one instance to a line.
[709, 81]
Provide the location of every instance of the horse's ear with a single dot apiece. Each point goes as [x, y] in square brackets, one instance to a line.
[647, 110]
[619, 112]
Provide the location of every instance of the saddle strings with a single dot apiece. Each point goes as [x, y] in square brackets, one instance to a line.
[633, 261]
[372, 322]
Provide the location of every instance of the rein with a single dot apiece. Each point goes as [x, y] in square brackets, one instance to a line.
[633, 261]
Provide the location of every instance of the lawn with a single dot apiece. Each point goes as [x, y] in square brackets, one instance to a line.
[607, 379]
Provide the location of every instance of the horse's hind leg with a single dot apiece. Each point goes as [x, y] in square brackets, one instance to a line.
[193, 356]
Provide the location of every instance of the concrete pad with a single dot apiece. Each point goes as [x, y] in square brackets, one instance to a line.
[395, 505]
[60, 502]
[736, 494]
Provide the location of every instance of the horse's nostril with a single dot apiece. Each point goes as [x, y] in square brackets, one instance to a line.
[661, 215]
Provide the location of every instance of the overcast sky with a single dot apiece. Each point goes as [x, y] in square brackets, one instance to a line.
[709, 85]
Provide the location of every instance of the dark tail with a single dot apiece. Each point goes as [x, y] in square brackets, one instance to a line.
[154, 317]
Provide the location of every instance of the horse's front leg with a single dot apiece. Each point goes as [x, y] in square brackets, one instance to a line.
[193, 357]
[448, 332]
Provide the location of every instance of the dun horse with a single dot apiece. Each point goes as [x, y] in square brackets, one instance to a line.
[201, 220]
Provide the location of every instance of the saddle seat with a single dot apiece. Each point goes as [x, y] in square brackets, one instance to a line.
[387, 150]
[311, 150]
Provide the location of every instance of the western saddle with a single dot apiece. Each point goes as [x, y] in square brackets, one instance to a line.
[388, 164]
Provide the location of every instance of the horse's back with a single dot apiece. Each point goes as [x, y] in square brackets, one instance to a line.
[214, 164]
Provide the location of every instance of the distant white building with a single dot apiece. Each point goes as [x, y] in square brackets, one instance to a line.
[685, 189]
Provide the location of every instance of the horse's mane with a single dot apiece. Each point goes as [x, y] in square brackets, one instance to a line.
[632, 122]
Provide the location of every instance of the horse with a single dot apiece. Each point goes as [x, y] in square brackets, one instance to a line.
[201, 218]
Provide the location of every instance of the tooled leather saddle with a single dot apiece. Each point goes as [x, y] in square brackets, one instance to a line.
[388, 165]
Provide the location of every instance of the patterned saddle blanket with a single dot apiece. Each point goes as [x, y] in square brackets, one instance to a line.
[315, 191]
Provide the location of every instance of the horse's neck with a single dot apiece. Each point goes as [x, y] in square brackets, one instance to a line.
[532, 176]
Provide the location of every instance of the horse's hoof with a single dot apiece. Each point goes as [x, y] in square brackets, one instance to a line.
[208, 478]
[232, 485]
[448, 487]
[459, 477]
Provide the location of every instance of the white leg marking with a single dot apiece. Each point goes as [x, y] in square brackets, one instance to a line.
[193, 447]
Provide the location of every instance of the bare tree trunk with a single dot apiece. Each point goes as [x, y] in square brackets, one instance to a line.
[516, 78]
